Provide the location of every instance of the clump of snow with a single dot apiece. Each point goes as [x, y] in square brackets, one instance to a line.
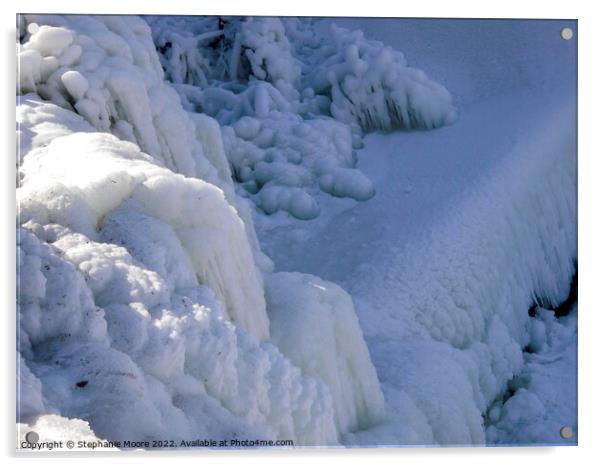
[49, 40]
[283, 161]
[200, 50]
[293, 200]
[347, 183]
[266, 46]
[75, 84]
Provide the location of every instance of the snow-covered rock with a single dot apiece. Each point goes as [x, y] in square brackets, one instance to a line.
[80, 179]
[114, 80]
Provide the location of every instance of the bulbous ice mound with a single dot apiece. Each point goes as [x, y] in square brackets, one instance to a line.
[79, 180]
[106, 70]
[371, 85]
[144, 289]
[143, 280]
[295, 102]
[356, 80]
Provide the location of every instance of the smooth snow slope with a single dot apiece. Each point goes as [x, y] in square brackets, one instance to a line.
[470, 224]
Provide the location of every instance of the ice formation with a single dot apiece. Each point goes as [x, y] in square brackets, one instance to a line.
[108, 72]
[282, 115]
[141, 283]
[371, 85]
[542, 398]
[301, 333]
[294, 104]
[61, 184]
[143, 292]
[455, 300]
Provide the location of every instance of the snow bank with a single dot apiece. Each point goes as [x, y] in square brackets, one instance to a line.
[144, 296]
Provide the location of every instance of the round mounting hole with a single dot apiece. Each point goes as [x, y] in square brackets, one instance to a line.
[32, 28]
[566, 432]
[566, 33]
[32, 437]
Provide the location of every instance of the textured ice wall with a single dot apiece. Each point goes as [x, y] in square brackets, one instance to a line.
[114, 259]
[144, 297]
[458, 297]
[106, 70]
[542, 398]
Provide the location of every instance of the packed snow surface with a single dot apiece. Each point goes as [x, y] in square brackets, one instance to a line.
[151, 150]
